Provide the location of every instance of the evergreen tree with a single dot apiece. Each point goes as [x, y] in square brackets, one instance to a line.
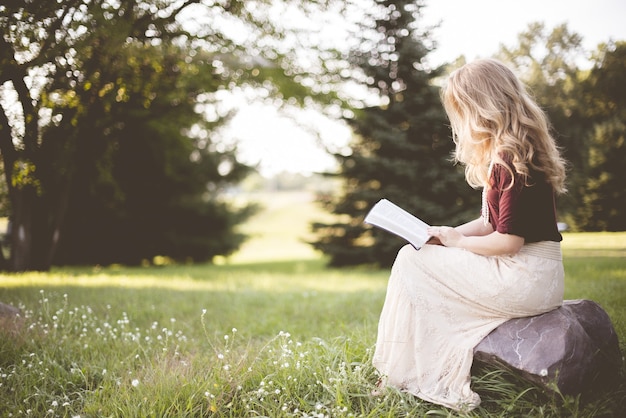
[547, 61]
[586, 110]
[402, 145]
[603, 203]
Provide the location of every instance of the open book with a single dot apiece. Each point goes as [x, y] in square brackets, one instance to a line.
[396, 220]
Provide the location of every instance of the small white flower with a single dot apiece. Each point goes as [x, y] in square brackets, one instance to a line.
[543, 372]
[135, 383]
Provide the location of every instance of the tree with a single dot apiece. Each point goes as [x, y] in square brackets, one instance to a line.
[90, 78]
[603, 204]
[140, 182]
[547, 61]
[402, 146]
[585, 109]
[62, 62]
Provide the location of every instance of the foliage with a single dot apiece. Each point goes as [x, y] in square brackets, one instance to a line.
[401, 148]
[585, 108]
[248, 339]
[109, 124]
[547, 60]
[144, 167]
[604, 199]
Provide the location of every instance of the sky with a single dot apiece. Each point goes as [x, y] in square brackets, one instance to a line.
[474, 28]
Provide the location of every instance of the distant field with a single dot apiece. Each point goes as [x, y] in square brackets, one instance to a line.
[594, 243]
[281, 229]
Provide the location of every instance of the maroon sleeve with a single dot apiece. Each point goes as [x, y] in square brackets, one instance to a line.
[508, 202]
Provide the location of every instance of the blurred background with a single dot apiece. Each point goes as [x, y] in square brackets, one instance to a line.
[170, 131]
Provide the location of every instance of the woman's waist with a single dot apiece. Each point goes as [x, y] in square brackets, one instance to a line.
[544, 249]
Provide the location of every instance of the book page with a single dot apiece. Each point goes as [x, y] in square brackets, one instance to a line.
[390, 217]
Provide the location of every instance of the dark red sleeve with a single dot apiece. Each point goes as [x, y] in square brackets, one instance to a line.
[508, 198]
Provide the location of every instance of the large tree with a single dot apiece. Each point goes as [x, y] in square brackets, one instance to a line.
[103, 99]
[141, 181]
[603, 203]
[585, 108]
[547, 60]
[402, 146]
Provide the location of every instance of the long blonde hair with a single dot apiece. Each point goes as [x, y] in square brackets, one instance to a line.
[493, 117]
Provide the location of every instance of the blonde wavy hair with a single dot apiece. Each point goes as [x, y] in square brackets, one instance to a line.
[493, 117]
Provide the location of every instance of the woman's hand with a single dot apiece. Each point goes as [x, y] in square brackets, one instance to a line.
[447, 235]
[494, 243]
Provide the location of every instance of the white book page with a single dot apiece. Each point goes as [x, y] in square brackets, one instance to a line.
[388, 216]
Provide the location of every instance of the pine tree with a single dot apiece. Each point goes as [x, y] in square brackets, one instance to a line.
[402, 147]
[602, 206]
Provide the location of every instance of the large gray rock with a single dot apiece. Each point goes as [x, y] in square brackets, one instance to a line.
[574, 347]
[10, 318]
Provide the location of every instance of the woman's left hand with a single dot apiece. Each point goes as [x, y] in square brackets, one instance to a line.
[448, 236]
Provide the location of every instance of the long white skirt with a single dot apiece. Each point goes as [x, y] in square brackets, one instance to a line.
[441, 302]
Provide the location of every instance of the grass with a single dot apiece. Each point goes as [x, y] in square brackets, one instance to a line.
[248, 337]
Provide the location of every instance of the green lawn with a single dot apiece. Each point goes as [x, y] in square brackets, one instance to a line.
[260, 334]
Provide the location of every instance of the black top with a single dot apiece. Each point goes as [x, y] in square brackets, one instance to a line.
[528, 211]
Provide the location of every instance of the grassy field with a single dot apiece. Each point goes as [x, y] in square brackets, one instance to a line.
[267, 332]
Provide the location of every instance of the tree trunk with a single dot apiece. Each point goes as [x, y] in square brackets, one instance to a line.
[22, 229]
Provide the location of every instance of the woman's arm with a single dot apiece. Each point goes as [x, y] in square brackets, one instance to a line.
[494, 243]
[472, 228]
[475, 228]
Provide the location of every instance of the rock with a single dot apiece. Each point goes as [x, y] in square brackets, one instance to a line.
[574, 346]
[10, 318]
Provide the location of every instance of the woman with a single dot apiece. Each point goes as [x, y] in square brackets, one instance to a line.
[444, 299]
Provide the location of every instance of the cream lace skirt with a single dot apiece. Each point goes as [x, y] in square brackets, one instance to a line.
[441, 302]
